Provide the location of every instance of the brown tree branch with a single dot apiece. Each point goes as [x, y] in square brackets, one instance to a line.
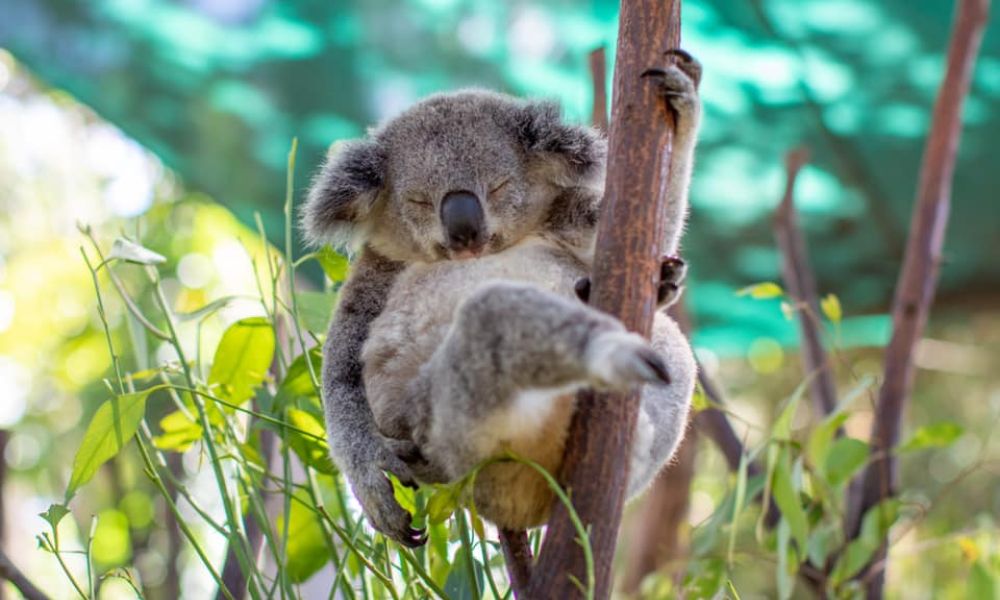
[632, 227]
[598, 75]
[11, 573]
[919, 274]
[517, 555]
[654, 537]
[801, 287]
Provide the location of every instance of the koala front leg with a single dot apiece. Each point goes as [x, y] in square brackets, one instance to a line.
[358, 449]
[508, 339]
[678, 82]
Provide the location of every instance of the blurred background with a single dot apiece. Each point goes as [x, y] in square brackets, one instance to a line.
[171, 121]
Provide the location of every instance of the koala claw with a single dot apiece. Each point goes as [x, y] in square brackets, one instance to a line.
[686, 63]
[678, 82]
[672, 272]
[374, 492]
[619, 359]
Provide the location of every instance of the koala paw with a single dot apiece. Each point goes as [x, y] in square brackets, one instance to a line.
[678, 82]
[374, 490]
[672, 272]
[619, 360]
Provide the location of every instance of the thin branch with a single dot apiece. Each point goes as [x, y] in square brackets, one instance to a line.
[801, 286]
[599, 77]
[633, 222]
[517, 554]
[11, 573]
[919, 274]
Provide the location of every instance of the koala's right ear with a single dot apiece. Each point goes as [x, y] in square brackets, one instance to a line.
[568, 153]
[343, 193]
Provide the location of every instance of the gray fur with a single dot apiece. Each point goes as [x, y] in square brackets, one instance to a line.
[383, 194]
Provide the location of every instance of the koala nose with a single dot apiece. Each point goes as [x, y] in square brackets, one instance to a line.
[463, 220]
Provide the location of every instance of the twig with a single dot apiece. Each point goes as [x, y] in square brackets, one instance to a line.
[598, 75]
[801, 286]
[633, 222]
[919, 274]
[11, 573]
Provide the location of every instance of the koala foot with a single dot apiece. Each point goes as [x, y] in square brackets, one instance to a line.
[678, 82]
[672, 272]
[668, 290]
[619, 360]
[375, 494]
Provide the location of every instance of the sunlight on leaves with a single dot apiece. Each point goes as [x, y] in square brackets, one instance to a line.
[830, 305]
[936, 435]
[762, 291]
[129, 251]
[112, 426]
[242, 359]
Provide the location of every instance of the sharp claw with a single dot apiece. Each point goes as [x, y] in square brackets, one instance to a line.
[660, 369]
[653, 73]
[684, 55]
[582, 288]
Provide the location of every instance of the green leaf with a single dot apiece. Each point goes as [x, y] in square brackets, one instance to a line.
[179, 432]
[443, 503]
[307, 549]
[846, 456]
[54, 514]
[112, 426]
[982, 583]
[762, 291]
[459, 586]
[242, 359]
[315, 310]
[739, 495]
[821, 542]
[818, 444]
[936, 435]
[874, 527]
[787, 566]
[699, 401]
[782, 428]
[787, 499]
[334, 264]
[298, 382]
[830, 305]
[313, 451]
[129, 251]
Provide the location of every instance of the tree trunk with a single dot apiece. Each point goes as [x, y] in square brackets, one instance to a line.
[633, 224]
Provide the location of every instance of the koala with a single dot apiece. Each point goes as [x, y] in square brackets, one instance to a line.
[475, 216]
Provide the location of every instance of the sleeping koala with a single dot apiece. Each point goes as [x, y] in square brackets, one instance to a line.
[476, 175]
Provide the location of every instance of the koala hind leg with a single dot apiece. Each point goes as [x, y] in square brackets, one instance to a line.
[515, 346]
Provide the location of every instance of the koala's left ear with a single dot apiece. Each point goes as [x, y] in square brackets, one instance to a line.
[344, 192]
[569, 153]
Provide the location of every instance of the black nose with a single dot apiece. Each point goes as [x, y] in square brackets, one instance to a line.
[463, 220]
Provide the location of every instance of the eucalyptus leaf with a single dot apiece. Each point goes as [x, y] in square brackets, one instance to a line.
[935, 435]
[307, 550]
[242, 359]
[846, 456]
[111, 427]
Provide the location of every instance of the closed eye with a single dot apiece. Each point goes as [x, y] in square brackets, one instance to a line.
[500, 186]
[420, 201]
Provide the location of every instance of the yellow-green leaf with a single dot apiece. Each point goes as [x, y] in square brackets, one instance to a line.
[242, 359]
[443, 503]
[307, 549]
[179, 432]
[830, 305]
[845, 457]
[312, 449]
[762, 291]
[787, 499]
[936, 435]
[112, 426]
[334, 264]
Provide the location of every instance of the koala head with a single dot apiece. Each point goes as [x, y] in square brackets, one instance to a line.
[455, 176]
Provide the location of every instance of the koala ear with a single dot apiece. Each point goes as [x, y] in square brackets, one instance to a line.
[568, 153]
[343, 193]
